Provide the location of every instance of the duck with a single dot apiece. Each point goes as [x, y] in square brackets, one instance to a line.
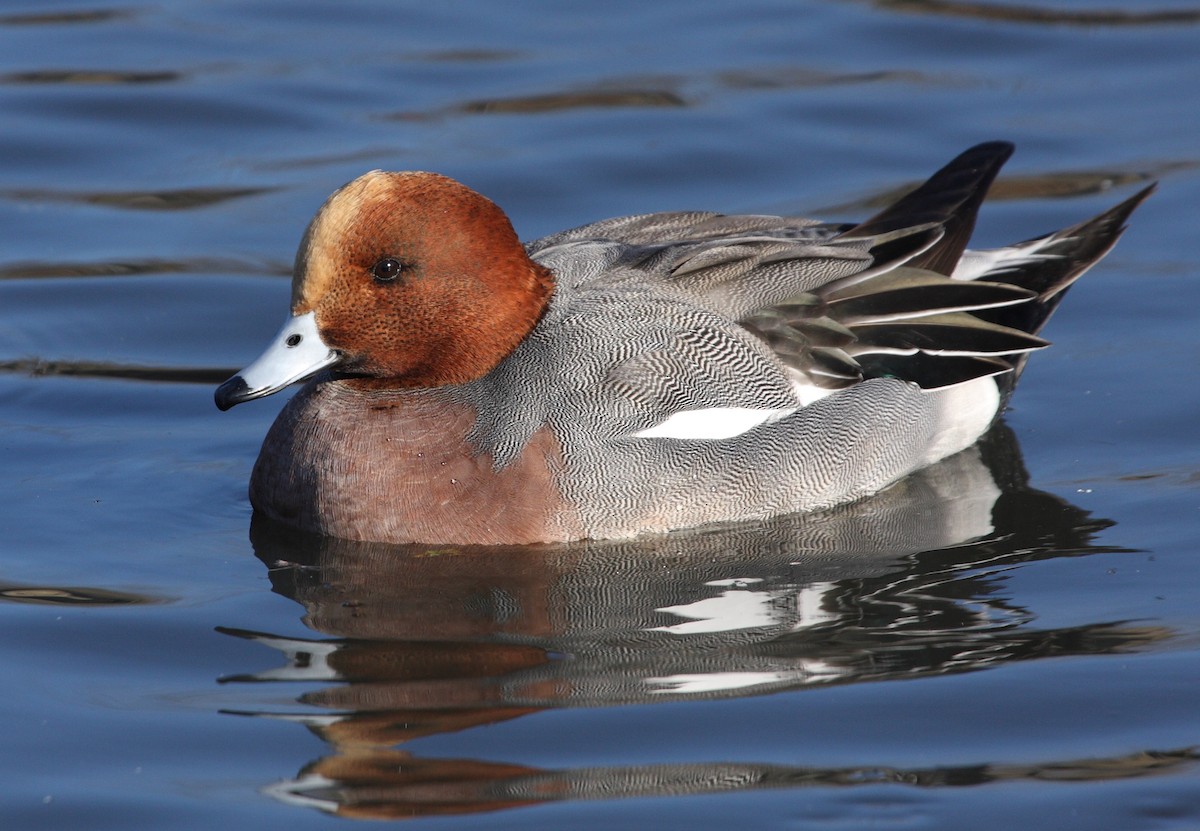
[639, 374]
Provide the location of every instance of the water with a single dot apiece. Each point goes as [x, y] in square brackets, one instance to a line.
[1009, 640]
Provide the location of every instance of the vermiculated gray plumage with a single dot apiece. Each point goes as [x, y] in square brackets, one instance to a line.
[661, 313]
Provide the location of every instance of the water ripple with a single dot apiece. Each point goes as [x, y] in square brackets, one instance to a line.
[89, 76]
[57, 18]
[139, 200]
[38, 367]
[1032, 14]
[135, 266]
[71, 596]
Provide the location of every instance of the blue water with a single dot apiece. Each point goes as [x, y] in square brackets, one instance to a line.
[1010, 640]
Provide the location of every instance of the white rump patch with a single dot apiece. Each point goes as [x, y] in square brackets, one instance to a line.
[713, 423]
[966, 411]
[992, 263]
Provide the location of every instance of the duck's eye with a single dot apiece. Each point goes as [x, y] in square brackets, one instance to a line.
[387, 269]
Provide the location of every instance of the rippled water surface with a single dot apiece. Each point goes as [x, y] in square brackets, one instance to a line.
[1008, 640]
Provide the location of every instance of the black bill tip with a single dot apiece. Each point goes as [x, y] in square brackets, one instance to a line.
[233, 391]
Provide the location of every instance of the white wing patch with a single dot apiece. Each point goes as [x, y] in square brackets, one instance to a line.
[805, 390]
[713, 423]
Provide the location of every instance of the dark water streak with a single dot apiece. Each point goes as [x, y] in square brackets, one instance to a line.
[1016, 13]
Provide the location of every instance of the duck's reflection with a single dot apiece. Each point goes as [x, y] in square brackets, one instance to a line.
[419, 640]
[391, 784]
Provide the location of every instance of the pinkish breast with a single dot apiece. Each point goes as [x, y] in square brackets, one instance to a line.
[396, 466]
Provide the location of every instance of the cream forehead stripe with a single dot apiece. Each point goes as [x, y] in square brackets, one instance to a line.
[326, 232]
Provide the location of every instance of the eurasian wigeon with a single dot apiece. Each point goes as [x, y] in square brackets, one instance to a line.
[639, 374]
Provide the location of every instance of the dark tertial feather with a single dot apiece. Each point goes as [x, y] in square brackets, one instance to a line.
[832, 339]
[933, 372]
[955, 333]
[825, 331]
[834, 365]
[910, 293]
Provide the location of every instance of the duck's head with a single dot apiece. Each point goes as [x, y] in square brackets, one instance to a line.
[402, 280]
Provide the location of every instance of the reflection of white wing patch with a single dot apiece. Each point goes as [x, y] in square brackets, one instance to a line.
[730, 611]
[713, 682]
[713, 423]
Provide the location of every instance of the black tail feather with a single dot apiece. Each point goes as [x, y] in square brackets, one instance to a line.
[950, 199]
[1072, 252]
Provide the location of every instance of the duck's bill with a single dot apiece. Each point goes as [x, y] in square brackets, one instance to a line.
[296, 353]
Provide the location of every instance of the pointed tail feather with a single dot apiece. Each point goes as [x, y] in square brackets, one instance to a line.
[1050, 264]
[950, 199]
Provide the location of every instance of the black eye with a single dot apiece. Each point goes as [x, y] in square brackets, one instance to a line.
[387, 269]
